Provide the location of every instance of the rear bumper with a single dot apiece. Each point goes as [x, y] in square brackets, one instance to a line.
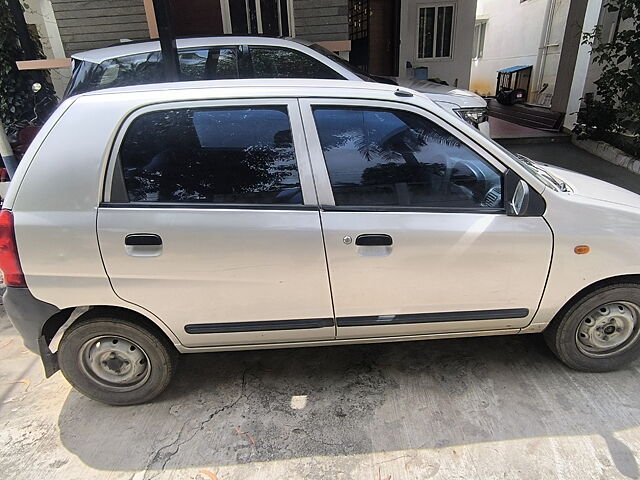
[28, 315]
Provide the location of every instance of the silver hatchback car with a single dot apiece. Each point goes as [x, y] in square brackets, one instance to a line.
[149, 221]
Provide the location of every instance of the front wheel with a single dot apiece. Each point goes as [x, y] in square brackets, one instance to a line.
[116, 361]
[601, 331]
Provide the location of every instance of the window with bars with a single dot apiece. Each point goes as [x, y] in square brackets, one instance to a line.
[435, 31]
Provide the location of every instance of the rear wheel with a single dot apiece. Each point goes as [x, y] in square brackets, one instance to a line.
[116, 361]
[599, 332]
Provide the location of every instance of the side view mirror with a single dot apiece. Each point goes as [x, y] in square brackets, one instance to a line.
[520, 199]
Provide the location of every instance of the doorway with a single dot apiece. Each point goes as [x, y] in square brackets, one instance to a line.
[196, 17]
[374, 31]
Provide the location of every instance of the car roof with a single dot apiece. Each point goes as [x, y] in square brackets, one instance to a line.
[99, 55]
[258, 87]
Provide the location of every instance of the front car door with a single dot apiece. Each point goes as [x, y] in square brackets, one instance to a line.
[415, 229]
[210, 222]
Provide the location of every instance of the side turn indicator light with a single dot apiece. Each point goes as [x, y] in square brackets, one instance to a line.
[582, 249]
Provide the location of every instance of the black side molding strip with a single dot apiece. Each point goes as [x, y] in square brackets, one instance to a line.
[395, 208]
[211, 206]
[432, 317]
[235, 327]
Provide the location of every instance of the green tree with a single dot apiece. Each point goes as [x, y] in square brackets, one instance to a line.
[16, 97]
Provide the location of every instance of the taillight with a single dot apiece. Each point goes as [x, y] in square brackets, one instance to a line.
[9, 260]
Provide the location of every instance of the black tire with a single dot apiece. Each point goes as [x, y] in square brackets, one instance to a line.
[562, 334]
[153, 351]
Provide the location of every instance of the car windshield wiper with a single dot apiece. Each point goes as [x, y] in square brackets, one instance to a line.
[562, 186]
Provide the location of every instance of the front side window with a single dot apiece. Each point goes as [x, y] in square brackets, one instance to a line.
[384, 157]
[212, 63]
[435, 31]
[242, 155]
[272, 62]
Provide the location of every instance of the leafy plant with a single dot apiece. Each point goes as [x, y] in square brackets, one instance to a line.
[17, 101]
[613, 113]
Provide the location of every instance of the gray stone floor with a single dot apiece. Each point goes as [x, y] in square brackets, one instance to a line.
[495, 407]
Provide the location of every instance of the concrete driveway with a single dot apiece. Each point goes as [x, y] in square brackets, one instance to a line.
[494, 407]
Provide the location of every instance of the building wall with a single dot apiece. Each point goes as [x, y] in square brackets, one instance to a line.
[87, 24]
[514, 31]
[321, 20]
[455, 70]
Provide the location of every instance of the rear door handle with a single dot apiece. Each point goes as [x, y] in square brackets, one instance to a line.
[142, 239]
[374, 239]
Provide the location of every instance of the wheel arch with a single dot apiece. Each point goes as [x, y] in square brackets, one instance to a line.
[58, 323]
[592, 288]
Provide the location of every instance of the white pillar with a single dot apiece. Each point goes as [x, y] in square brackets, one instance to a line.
[582, 65]
[6, 152]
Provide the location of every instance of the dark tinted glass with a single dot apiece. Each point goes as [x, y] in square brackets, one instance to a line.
[381, 157]
[226, 155]
[238, 14]
[130, 70]
[271, 62]
[213, 63]
[445, 23]
[269, 14]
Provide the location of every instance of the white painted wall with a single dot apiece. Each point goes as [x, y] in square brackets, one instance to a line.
[40, 13]
[582, 65]
[513, 36]
[455, 70]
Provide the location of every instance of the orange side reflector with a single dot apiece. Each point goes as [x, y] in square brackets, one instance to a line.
[582, 249]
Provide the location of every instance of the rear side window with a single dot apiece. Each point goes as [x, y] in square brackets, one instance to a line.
[124, 71]
[272, 62]
[242, 155]
[212, 63]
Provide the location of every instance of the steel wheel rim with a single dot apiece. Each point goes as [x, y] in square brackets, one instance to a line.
[115, 363]
[608, 329]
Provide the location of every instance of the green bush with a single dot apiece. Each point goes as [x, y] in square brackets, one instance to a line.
[613, 113]
[16, 97]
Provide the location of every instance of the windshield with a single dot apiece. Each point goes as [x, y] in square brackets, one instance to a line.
[342, 62]
[537, 170]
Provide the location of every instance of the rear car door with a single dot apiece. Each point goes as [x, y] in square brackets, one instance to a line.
[210, 222]
[416, 234]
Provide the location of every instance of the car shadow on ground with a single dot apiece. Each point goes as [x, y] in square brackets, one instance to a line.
[240, 407]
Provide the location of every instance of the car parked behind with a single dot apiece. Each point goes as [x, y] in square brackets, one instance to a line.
[233, 57]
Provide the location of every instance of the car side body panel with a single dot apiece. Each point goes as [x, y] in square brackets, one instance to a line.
[612, 233]
[58, 188]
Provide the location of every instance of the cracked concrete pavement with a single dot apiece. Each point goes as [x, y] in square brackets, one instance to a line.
[493, 407]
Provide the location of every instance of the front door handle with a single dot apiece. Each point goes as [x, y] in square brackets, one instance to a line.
[374, 240]
[143, 239]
